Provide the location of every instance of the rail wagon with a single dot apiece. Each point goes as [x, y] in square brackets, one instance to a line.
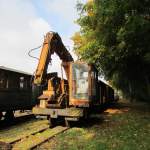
[69, 99]
[15, 91]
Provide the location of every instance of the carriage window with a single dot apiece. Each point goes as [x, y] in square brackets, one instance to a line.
[22, 82]
[2, 83]
[3, 80]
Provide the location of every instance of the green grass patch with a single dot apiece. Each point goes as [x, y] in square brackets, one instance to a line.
[128, 130]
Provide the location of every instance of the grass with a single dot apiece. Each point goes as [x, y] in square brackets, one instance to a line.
[119, 128]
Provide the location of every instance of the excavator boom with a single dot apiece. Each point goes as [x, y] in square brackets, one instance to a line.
[52, 44]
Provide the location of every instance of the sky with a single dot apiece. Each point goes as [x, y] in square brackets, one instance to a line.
[23, 24]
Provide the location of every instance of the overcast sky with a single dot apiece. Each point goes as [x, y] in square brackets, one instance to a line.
[23, 23]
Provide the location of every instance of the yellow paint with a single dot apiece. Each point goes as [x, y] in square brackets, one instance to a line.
[42, 65]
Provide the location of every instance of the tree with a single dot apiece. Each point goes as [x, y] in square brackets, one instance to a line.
[115, 35]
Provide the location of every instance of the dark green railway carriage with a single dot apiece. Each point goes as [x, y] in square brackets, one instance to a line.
[15, 91]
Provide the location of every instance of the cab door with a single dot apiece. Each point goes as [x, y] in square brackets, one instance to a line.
[79, 84]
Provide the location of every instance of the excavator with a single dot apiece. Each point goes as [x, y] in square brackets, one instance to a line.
[57, 97]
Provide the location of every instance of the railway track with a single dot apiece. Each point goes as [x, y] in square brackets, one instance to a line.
[37, 139]
[29, 135]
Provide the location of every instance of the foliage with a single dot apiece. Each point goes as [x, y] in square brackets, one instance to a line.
[115, 35]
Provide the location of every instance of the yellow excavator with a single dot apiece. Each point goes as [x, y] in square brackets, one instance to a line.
[57, 97]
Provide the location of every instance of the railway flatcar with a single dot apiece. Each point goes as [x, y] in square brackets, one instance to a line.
[71, 99]
[15, 91]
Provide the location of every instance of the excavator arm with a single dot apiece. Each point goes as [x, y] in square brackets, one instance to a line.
[52, 44]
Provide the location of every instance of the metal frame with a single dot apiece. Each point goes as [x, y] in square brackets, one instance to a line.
[69, 113]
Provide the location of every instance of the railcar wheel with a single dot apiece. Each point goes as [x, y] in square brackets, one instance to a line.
[86, 114]
[67, 123]
[52, 121]
[9, 115]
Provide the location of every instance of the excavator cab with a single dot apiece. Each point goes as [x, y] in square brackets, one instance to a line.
[83, 83]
